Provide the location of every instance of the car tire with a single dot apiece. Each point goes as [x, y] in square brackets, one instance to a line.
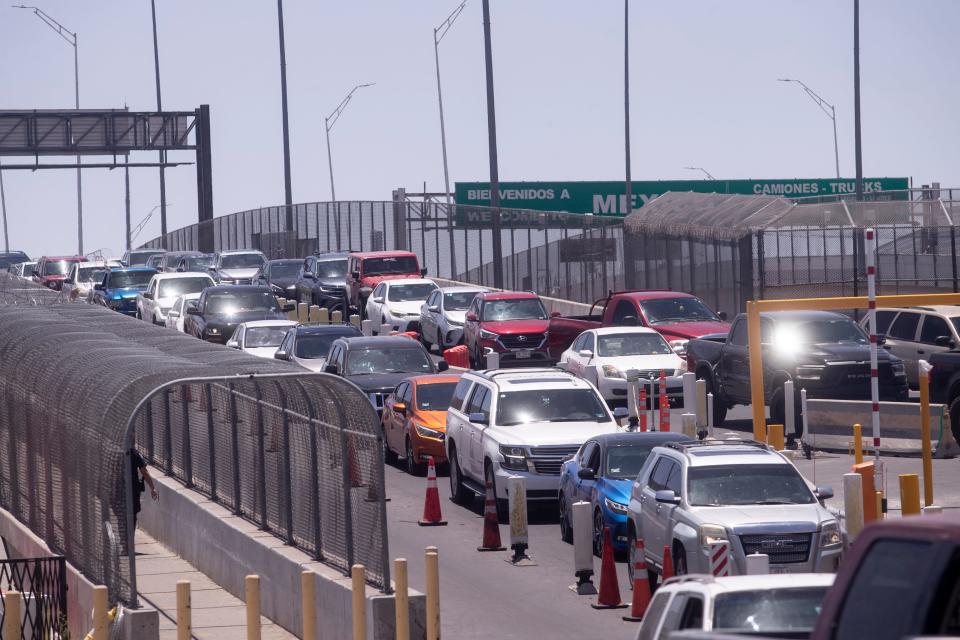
[566, 529]
[679, 560]
[719, 403]
[502, 508]
[414, 468]
[652, 576]
[459, 494]
[389, 455]
[598, 525]
[955, 418]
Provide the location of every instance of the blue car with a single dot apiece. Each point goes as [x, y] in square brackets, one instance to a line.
[602, 473]
[120, 287]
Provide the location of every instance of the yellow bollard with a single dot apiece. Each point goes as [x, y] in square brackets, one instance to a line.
[336, 317]
[359, 574]
[909, 494]
[100, 621]
[775, 437]
[925, 433]
[870, 511]
[433, 593]
[402, 599]
[857, 444]
[303, 313]
[11, 614]
[879, 505]
[355, 320]
[313, 314]
[324, 316]
[184, 611]
[252, 584]
[308, 604]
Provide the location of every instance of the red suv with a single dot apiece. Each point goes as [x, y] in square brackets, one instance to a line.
[512, 323]
[366, 270]
[51, 271]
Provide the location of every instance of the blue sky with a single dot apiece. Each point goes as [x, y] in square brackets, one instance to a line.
[703, 75]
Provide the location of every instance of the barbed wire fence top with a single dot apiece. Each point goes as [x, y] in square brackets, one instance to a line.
[297, 453]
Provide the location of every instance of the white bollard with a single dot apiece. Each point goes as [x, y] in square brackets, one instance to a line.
[366, 327]
[758, 564]
[582, 516]
[519, 539]
[932, 510]
[689, 392]
[385, 329]
[720, 558]
[709, 415]
[853, 504]
[789, 409]
[702, 403]
[803, 415]
[633, 394]
[652, 404]
[690, 425]
[493, 360]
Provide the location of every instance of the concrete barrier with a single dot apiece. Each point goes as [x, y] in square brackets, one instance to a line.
[830, 427]
[227, 548]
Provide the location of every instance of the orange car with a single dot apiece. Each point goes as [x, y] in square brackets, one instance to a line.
[415, 420]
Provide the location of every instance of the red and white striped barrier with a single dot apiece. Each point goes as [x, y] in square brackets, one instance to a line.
[664, 403]
[872, 322]
[720, 558]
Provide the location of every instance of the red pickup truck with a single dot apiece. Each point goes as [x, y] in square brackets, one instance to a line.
[51, 271]
[677, 316]
[366, 270]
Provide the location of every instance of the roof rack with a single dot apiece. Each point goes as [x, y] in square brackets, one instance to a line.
[490, 375]
[684, 446]
[693, 577]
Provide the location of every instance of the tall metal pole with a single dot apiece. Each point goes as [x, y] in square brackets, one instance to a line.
[492, 141]
[163, 154]
[628, 187]
[856, 98]
[836, 149]
[333, 191]
[126, 191]
[76, 93]
[287, 188]
[3, 208]
[828, 109]
[331, 120]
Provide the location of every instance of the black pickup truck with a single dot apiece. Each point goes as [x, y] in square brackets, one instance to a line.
[945, 384]
[823, 352]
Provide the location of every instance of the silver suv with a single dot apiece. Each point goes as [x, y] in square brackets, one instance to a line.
[689, 494]
[914, 333]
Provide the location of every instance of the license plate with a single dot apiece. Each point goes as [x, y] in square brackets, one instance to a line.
[778, 569]
[523, 354]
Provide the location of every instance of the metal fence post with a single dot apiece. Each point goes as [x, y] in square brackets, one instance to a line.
[167, 435]
[314, 477]
[345, 479]
[150, 444]
[235, 446]
[185, 441]
[285, 469]
[211, 443]
[261, 463]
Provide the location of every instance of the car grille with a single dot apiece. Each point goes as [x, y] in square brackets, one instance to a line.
[522, 340]
[547, 460]
[782, 548]
[856, 372]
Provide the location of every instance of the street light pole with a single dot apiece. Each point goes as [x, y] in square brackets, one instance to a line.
[858, 151]
[628, 186]
[70, 38]
[287, 186]
[162, 154]
[492, 143]
[3, 209]
[828, 109]
[328, 123]
[705, 172]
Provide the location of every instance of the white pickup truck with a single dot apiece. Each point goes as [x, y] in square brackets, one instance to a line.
[163, 291]
[522, 422]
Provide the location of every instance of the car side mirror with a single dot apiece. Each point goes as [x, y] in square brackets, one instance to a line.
[173, 313]
[442, 366]
[355, 275]
[586, 353]
[288, 307]
[555, 314]
[881, 338]
[723, 315]
[587, 473]
[331, 368]
[945, 341]
[423, 271]
[824, 493]
[471, 317]
[98, 287]
[279, 354]
[400, 407]
[621, 412]
[378, 299]
[666, 496]
[193, 311]
[148, 295]
[477, 418]
[433, 309]
[309, 275]
[233, 344]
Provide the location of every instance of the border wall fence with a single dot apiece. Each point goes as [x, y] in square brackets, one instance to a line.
[298, 454]
[42, 583]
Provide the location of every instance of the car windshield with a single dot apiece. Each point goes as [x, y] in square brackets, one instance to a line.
[317, 345]
[57, 268]
[139, 258]
[255, 337]
[632, 344]
[230, 302]
[331, 269]
[524, 309]
[676, 310]
[435, 396]
[179, 286]
[125, 279]
[459, 301]
[550, 405]
[383, 360]
[196, 263]
[394, 264]
[819, 332]
[743, 484]
[8, 259]
[623, 463]
[410, 292]
[769, 610]
[91, 274]
[286, 269]
[173, 260]
[241, 261]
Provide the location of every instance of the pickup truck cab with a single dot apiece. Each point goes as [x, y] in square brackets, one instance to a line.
[119, 288]
[824, 352]
[511, 323]
[323, 281]
[945, 384]
[51, 271]
[366, 270]
[504, 423]
[677, 316]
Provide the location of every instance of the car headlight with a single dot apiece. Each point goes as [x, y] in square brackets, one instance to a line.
[898, 368]
[710, 533]
[610, 371]
[616, 507]
[810, 372]
[679, 346]
[427, 432]
[488, 335]
[514, 458]
[830, 534]
[114, 303]
[213, 331]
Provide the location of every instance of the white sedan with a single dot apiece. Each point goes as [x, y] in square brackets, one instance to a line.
[260, 338]
[604, 356]
[442, 315]
[178, 311]
[397, 303]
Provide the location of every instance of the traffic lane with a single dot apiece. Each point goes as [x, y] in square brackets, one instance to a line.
[480, 593]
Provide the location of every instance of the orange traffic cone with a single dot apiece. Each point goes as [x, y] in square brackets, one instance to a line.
[491, 523]
[609, 597]
[667, 564]
[641, 586]
[431, 505]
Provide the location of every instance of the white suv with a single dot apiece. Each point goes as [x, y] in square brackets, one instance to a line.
[506, 423]
[163, 291]
[690, 494]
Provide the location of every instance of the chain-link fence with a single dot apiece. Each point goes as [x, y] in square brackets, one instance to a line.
[42, 583]
[299, 454]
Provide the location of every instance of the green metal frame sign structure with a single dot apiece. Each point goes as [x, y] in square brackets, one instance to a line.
[609, 198]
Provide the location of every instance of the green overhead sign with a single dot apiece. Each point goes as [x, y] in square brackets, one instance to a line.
[609, 198]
